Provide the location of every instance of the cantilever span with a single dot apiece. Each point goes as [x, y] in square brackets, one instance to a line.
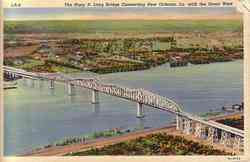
[138, 95]
[185, 122]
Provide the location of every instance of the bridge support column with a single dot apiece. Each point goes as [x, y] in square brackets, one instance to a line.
[32, 83]
[210, 138]
[51, 84]
[96, 108]
[9, 75]
[224, 138]
[140, 113]
[204, 132]
[95, 97]
[178, 122]
[187, 126]
[240, 145]
[198, 130]
[70, 89]
[40, 83]
[12, 76]
[216, 137]
[25, 82]
[236, 145]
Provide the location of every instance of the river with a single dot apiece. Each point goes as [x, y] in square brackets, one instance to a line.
[39, 116]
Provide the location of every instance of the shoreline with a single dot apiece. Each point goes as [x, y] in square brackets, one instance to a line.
[144, 67]
[150, 67]
[99, 143]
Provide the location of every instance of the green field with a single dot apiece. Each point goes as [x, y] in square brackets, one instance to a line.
[108, 26]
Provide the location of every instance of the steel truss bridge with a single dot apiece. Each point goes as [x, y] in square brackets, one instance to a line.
[189, 124]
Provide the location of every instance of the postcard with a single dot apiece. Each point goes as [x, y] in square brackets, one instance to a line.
[132, 79]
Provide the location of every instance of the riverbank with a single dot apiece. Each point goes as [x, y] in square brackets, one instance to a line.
[106, 66]
[63, 150]
[76, 149]
[86, 138]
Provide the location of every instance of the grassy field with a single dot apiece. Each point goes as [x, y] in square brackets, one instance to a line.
[108, 26]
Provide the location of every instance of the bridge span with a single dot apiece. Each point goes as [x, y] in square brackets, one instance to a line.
[187, 123]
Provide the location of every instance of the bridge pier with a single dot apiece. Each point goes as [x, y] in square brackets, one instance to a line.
[12, 75]
[96, 108]
[32, 83]
[224, 138]
[140, 124]
[51, 84]
[210, 136]
[70, 88]
[40, 83]
[95, 97]
[140, 113]
[240, 145]
[198, 130]
[187, 126]
[179, 122]
[25, 81]
[29, 82]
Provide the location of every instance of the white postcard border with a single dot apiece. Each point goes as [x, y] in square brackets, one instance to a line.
[243, 158]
